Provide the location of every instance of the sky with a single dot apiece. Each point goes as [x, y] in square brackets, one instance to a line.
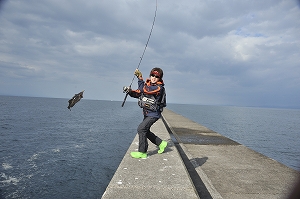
[212, 52]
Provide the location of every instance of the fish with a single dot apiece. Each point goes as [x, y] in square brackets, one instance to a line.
[76, 98]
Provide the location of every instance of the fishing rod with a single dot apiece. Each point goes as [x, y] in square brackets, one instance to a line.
[141, 58]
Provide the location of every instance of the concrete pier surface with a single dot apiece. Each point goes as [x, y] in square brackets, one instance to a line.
[158, 176]
[199, 163]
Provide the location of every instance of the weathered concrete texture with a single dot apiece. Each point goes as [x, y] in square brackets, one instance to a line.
[158, 176]
[228, 169]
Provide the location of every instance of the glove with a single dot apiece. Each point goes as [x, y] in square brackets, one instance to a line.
[138, 73]
[126, 89]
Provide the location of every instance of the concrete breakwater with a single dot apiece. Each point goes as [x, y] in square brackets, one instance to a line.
[198, 163]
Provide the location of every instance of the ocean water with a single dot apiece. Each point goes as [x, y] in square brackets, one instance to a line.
[47, 151]
[272, 132]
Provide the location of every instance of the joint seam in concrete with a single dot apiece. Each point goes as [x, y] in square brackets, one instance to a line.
[208, 184]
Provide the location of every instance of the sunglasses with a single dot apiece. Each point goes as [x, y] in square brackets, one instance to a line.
[152, 75]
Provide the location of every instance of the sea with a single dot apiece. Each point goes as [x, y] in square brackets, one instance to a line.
[48, 151]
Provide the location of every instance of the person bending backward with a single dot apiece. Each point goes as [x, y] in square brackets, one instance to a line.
[152, 98]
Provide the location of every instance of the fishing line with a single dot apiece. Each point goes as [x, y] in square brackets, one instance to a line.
[141, 58]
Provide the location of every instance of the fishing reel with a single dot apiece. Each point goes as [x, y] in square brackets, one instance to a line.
[126, 89]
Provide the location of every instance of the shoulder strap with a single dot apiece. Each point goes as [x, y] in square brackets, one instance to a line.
[162, 101]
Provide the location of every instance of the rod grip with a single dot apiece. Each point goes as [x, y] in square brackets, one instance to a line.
[124, 99]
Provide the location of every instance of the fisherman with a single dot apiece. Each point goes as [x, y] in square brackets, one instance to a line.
[152, 98]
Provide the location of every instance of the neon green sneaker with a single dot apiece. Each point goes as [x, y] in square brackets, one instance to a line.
[138, 155]
[162, 146]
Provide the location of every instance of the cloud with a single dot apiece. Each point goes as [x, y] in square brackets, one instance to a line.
[232, 52]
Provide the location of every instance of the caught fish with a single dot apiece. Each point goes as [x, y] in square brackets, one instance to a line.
[76, 98]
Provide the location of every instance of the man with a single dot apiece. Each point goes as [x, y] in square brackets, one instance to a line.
[152, 98]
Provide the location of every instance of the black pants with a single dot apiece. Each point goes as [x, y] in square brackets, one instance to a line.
[144, 133]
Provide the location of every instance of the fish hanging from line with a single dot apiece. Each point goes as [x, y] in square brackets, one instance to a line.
[76, 98]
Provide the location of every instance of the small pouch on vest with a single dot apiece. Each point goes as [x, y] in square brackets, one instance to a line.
[148, 102]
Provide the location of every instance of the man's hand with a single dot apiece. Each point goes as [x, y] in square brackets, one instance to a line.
[138, 73]
[126, 89]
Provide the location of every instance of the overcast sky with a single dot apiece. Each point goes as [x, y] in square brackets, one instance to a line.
[213, 52]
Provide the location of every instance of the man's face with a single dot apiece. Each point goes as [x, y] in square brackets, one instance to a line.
[154, 78]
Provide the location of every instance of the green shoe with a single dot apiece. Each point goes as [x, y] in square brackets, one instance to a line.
[162, 146]
[138, 155]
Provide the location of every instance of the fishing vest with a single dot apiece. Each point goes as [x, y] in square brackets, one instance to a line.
[151, 103]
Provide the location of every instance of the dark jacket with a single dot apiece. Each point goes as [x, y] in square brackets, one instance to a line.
[156, 90]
